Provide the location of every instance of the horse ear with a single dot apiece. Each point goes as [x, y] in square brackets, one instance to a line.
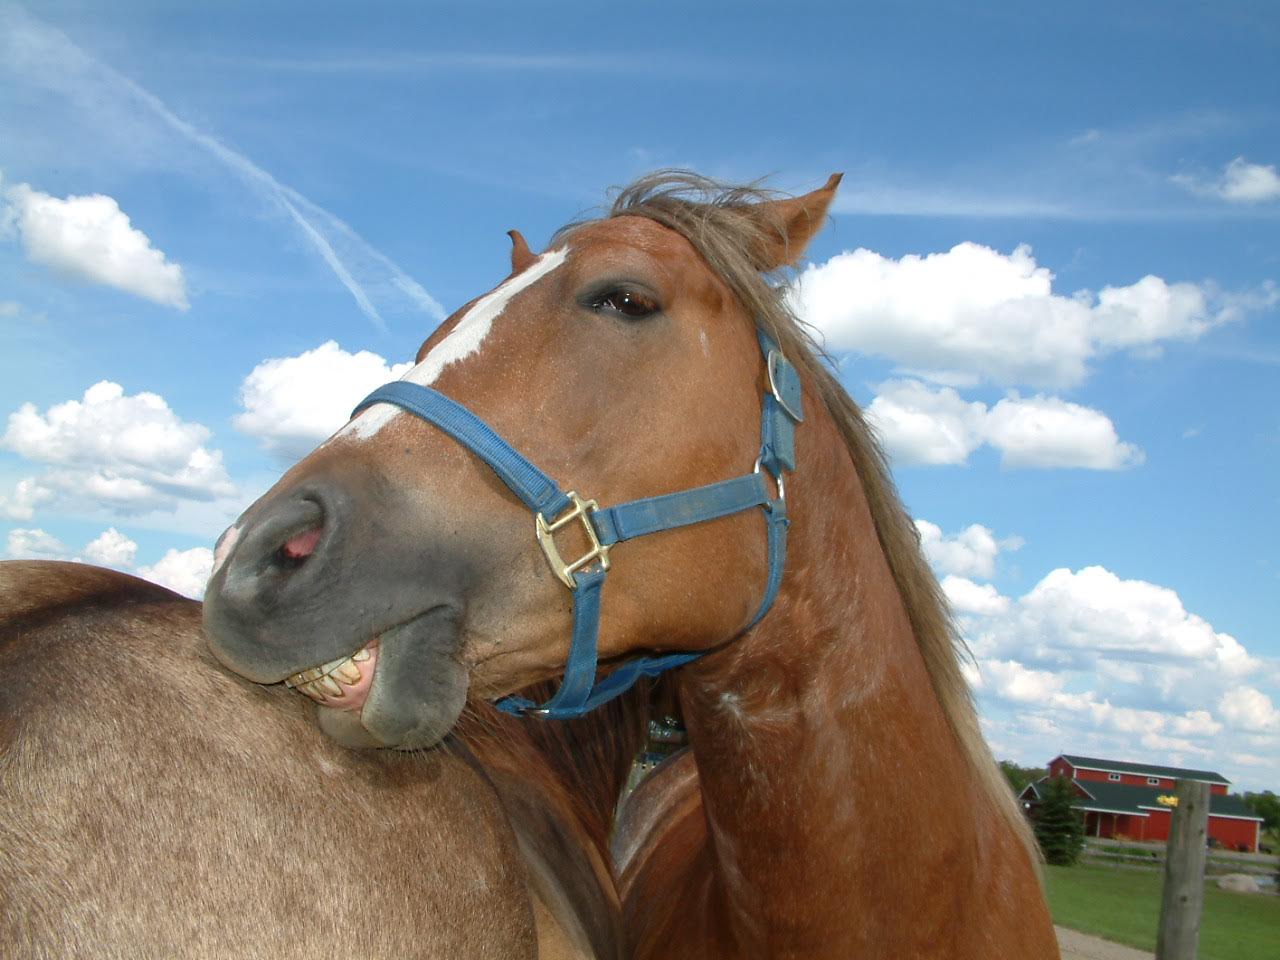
[789, 225]
[521, 255]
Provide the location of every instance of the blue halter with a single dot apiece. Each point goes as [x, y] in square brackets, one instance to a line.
[553, 509]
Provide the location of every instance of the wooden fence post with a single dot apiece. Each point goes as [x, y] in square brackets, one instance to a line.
[1183, 896]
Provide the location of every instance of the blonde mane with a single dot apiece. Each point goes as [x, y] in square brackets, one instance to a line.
[728, 225]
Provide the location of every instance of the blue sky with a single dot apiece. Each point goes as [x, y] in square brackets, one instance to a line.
[1050, 277]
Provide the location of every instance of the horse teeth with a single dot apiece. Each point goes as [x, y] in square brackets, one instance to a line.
[361, 655]
[348, 672]
[309, 690]
[330, 686]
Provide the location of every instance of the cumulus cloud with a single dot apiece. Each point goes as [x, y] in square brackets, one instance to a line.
[1093, 663]
[1240, 182]
[921, 424]
[183, 571]
[292, 403]
[35, 544]
[90, 238]
[1247, 708]
[970, 553]
[973, 314]
[1050, 432]
[1076, 618]
[966, 596]
[111, 548]
[130, 454]
[22, 502]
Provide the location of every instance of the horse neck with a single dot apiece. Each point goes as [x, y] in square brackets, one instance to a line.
[834, 786]
[577, 767]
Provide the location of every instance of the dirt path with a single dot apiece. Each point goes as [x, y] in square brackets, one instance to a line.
[1081, 946]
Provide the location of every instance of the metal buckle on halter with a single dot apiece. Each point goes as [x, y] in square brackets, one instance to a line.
[772, 364]
[777, 481]
[544, 530]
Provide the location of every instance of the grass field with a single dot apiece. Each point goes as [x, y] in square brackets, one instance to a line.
[1124, 906]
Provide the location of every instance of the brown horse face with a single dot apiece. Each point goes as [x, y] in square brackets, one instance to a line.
[391, 570]
[617, 362]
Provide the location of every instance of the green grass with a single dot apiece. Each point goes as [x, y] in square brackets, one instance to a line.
[1124, 906]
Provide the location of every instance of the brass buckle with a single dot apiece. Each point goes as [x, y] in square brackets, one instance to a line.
[544, 531]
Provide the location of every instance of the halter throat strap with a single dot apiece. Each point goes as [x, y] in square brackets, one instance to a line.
[554, 508]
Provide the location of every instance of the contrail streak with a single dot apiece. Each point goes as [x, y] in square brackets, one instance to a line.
[35, 51]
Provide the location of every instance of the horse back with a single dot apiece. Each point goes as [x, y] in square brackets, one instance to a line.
[153, 805]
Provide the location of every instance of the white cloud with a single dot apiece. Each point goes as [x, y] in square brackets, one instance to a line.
[1012, 681]
[129, 454]
[90, 238]
[1049, 432]
[292, 403]
[1247, 708]
[1092, 663]
[921, 424]
[970, 553]
[1078, 617]
[22, 502]
[918, 424]
[973, 314]
[35, 544]
[184, 571]
[111, 548]
[35, 54]
[1241, 182]
[969, 597]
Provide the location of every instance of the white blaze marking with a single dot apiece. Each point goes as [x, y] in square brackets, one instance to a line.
[466, 338]
[222, 549]
[463, 340]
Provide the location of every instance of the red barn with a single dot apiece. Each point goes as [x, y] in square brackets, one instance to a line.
[1135, 801]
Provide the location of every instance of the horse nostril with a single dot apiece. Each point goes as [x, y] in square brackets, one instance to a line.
[297, 548]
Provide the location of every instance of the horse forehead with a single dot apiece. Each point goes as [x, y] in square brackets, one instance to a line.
[638, 233]
[667, 250]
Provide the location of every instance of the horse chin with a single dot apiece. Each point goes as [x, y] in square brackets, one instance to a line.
[411, 693]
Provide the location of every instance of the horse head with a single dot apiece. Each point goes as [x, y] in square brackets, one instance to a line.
[396, 569]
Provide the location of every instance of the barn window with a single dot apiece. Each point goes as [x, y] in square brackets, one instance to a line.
[1153, 781]
[1114, 777]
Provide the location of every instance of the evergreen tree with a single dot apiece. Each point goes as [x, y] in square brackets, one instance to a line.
[1059, 828]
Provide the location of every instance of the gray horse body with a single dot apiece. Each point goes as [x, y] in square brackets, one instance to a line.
[152, 805]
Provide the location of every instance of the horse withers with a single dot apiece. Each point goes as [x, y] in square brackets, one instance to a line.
[839, 800]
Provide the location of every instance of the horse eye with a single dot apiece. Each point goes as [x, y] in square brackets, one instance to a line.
[628, 303]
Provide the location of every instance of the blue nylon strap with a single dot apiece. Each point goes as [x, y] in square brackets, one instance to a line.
[538, 491]
[578, 692]
[776, 518]
[640, 517]
[781, 412]
[580, 669]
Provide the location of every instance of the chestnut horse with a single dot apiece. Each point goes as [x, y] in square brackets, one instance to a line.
[839, 800]
[151, 805]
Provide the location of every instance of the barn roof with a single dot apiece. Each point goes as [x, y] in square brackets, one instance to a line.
[1107, 797]
[1143, 769]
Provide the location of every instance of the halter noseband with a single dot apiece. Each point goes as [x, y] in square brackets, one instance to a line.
[553, 509]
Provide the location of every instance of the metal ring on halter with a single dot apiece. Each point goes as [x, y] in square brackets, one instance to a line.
[778, 482]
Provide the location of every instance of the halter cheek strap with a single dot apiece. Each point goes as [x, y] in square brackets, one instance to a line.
[554, 509]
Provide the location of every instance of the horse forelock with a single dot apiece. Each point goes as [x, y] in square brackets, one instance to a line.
[727, 225]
